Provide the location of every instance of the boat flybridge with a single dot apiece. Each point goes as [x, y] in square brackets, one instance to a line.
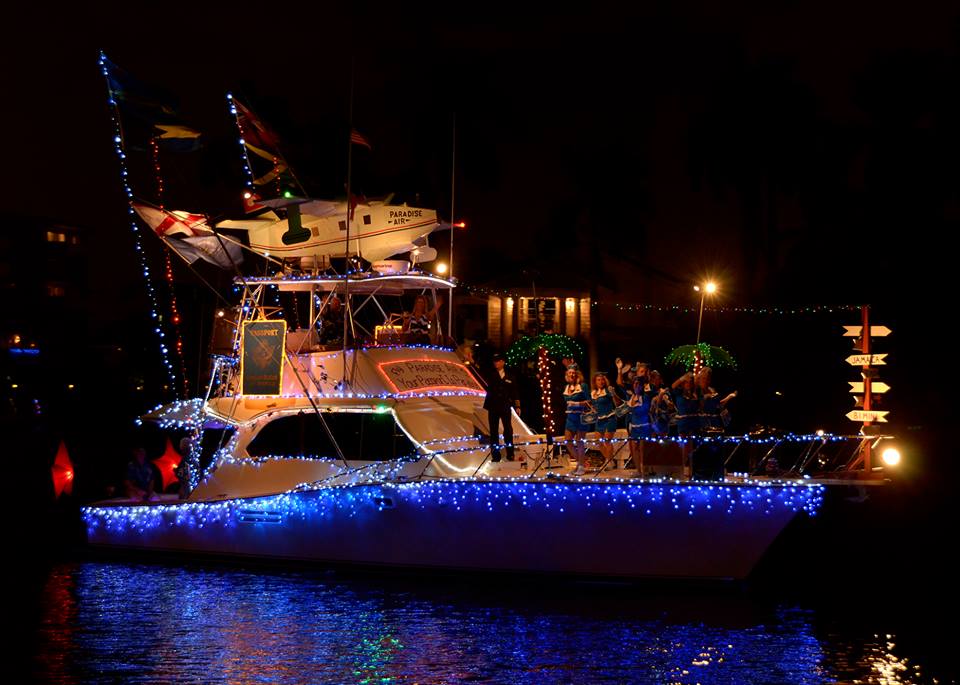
[355, 446]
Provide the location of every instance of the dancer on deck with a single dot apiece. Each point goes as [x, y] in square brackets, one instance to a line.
[577, 398]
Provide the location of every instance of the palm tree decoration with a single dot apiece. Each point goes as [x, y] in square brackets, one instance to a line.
[701, 354]
[541, 347]
[526, 347]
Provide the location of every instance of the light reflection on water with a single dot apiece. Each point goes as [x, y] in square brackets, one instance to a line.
[123, 622]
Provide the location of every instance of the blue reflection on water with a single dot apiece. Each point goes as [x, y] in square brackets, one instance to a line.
[110, 622]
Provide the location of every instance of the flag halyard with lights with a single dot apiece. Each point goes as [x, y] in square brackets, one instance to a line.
[269, 172]
[148, 114]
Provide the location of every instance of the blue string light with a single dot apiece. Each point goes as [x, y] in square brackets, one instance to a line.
[137, 239]
[320, 505]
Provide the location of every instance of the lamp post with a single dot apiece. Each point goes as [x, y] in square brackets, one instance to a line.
[709, 288]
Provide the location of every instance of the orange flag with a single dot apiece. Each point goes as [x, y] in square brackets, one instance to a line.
[62, 471]
[167, 463]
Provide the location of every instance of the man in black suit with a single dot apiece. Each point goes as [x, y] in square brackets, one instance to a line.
[502, 395]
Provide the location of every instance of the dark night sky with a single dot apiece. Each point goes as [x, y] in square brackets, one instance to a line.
[784, 149]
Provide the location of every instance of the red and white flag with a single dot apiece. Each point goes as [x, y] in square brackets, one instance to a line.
[166, 224]
[358, 139]
[190, 235]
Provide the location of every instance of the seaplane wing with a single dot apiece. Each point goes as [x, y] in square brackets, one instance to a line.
[318, 228]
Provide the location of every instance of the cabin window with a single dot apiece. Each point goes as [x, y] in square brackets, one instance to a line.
[361, 436]
[366, 219]
[343, 225]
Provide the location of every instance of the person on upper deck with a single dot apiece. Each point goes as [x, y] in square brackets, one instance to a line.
[417, 324]
[331, 322]
[502, 396]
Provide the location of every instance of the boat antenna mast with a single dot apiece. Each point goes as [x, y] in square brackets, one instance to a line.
[346, 251]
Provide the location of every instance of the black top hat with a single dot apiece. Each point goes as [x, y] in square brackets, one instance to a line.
[498, 357]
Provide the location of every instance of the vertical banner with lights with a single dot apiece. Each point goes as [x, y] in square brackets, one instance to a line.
[867, 390]
[261, 357]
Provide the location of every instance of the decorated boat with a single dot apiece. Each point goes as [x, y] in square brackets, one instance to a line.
[377, 453]
[346, 440]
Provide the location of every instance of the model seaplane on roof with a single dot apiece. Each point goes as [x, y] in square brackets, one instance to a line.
[318, 229]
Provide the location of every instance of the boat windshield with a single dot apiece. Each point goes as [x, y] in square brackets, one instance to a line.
[362, 436]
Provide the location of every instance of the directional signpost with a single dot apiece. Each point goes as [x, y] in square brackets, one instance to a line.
[865, 389]
[875, 331]
[864, 415]
[867, 360]
[876, 387]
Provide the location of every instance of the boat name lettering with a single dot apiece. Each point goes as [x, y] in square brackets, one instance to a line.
[414, 375]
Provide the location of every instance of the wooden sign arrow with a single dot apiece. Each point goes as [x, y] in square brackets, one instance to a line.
[863, 415]
[876, 386]
[875, 331]
[867, 359]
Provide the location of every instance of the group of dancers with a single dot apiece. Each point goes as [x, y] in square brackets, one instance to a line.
[689, 407]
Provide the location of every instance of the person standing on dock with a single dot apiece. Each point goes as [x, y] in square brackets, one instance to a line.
[502, 396]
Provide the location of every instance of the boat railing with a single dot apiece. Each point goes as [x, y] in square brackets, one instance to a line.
[738, 457]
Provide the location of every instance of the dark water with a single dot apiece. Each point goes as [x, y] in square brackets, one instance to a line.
[108, 621]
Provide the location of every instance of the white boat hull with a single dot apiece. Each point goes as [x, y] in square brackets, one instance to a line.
[631, 530]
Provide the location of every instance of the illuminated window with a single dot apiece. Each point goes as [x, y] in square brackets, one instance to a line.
[55, 290]
[56, 237]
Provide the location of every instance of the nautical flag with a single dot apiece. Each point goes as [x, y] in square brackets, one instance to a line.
[254, 131]
[358, 139]
[147, 113]
[62, 471]
[190, 236]
[261, 141]
[165, 223]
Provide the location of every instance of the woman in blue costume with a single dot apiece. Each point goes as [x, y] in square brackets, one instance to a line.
[639, 425]
[713, 405]
[577, 397]
[662, 409]
[687, 400]
[605, 401]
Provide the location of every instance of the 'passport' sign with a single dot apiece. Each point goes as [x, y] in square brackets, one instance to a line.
[261, 357]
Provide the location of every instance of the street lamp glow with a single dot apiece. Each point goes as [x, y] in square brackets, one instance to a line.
[891, 456]
[708, 288]
[442, 268]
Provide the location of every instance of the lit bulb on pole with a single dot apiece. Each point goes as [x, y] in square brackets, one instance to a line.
[708, 288]
[441, 268]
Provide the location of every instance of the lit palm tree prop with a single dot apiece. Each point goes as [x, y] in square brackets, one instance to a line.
[541, 347]
[701, 354]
